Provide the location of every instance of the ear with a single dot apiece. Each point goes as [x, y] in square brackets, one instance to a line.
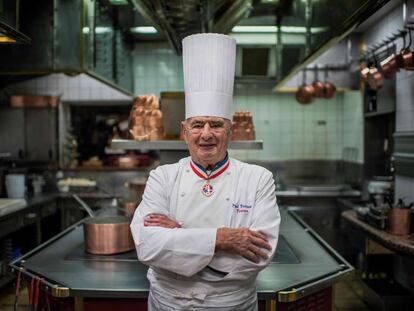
[184, 131]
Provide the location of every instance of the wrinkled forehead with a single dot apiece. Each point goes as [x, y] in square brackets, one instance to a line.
[205, 119]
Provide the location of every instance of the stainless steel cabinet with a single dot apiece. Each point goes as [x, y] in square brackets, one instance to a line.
[29, 133]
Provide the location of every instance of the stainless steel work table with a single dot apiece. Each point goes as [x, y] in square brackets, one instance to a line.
[68, 271]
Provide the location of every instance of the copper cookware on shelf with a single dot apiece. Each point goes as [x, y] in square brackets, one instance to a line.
[304, 94]
[243, 127]
[35, 101]
[145, 119]
[106, 235]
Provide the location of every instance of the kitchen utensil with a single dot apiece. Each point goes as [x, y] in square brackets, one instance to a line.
[389, 65]
[408, 55]
[374, 76]
[105, 235]
[128, 209]
[329, 88]
[318, 86]
[304, 95]
[399, 221]
[364, 74]
[136, 187]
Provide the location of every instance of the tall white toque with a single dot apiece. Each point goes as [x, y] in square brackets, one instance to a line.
[209, 61]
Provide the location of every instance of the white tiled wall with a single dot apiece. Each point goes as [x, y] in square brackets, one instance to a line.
[352, 130]
[70, 88]
[289, 130]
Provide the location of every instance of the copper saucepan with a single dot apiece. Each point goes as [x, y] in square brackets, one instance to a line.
[304, 94]
[106, 235]
[318, 86]
[375, 80]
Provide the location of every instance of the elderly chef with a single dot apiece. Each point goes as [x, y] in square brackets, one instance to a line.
[208, 224]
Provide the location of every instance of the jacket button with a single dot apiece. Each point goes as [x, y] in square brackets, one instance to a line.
[182, 194]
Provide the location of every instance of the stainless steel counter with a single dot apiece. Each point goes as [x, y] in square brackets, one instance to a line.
[314, 266]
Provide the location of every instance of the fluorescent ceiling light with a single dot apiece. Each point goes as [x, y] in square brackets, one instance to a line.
[143, 29]
[98, 30]
[118, 2]
[274, 29]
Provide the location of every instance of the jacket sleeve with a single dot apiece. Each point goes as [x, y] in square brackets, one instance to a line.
[184, 251]
[266, 218]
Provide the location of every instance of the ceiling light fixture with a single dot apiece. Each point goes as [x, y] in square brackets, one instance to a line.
[143, 29]
[274, 29]
[118, 2]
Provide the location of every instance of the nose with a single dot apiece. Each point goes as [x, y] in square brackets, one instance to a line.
[206, 132]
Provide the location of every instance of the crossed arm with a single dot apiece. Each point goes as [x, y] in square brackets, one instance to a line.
[241, 241]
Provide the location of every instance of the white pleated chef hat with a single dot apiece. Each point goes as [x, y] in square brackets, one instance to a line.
[209, 62]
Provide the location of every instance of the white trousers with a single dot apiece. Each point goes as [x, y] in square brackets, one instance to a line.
[155, 305]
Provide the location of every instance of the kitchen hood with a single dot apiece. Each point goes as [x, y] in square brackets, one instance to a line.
[9, 24]
[71, 37]
[298, 30]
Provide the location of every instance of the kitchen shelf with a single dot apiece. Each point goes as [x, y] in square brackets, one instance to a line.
[178, 144]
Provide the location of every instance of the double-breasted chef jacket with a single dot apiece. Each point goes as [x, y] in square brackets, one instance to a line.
[185, 271]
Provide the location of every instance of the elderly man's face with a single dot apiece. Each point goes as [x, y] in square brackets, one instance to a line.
[207, 138]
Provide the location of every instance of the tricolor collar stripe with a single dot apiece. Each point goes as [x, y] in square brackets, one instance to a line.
[216, 167]
[212, 175]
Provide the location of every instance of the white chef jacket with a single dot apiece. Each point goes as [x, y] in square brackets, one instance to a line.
[183, 262]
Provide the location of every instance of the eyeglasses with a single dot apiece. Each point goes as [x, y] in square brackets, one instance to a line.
[214, 126]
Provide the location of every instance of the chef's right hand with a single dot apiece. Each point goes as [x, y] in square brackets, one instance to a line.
[247, 243]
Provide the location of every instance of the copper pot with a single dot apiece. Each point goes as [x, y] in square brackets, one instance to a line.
[389, 66]
[304, 95]
[375, 79]
[128, 209]
[136, 187]
[105, 235]
[364, 74]
[399, 221]
[408, 59]
[329, 90]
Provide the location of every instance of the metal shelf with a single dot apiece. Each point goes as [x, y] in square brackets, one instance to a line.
[178, 144]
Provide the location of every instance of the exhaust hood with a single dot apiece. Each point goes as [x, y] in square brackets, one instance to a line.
[297, 30]
[71, 37]
[9, 24]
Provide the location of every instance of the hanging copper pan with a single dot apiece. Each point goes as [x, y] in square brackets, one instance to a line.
[375, 80]
[304, 94]
[318, 86]
[329, 88]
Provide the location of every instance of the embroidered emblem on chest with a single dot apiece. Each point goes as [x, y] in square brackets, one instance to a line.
[207, 190]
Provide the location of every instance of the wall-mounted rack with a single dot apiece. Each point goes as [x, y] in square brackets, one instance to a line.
[378, 50]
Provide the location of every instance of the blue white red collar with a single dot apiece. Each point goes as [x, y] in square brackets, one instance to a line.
[218, 169]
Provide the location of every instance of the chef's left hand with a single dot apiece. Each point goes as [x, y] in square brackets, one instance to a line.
[160, 220]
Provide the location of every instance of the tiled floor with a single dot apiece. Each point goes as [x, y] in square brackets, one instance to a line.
[348, 297]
